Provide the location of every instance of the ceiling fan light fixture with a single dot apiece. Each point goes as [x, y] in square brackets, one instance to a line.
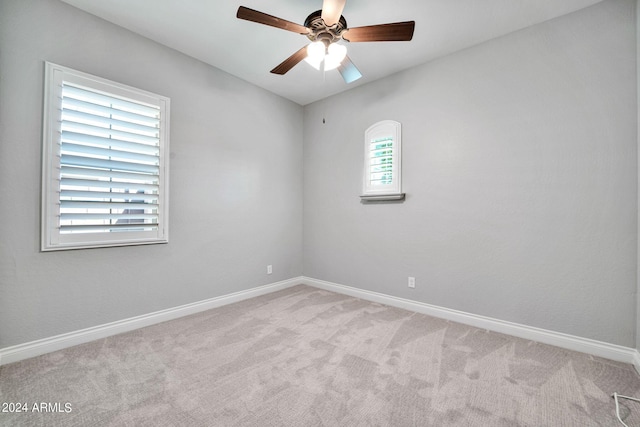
[332, 55]
[316, 51]
[335, 55]
[315, 54]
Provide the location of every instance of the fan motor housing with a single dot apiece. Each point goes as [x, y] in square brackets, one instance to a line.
[319, 31]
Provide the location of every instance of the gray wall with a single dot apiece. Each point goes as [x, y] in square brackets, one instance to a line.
[520, 168]
[232, 210]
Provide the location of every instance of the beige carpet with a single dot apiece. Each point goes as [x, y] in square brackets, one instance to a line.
[309, 357]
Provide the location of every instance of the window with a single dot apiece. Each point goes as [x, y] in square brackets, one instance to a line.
[105, 163]
[382, 162]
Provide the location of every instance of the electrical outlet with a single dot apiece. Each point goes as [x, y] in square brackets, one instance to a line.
[412, 282]
[269, 269]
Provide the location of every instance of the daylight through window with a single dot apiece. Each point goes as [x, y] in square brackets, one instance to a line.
[105, 174]
[382, 161]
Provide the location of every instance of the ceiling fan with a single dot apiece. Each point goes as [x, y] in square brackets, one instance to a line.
[325, 28]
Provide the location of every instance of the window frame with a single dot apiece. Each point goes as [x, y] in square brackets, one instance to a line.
[51, 237]
[393, 191]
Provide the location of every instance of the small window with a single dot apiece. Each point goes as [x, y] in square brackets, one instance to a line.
[382, 162]
[105, 163]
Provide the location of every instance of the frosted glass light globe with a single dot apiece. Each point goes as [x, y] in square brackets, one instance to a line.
[315, 54]
[335, 55]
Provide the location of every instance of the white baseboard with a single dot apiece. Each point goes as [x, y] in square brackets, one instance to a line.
[558, 339]
[570, 342]
[59, 342]
[636, 362]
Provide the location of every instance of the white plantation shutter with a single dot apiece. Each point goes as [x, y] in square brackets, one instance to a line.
[105, 179]
[382, 161]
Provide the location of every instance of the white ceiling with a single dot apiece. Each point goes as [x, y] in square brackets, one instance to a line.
[209, 31]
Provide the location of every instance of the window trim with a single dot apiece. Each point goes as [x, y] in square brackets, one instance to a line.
[51, 238]
[393, 191]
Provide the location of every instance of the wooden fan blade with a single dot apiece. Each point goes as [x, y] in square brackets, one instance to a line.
[349, 71]
[291, 61]
[332, 10]
[262, 18]
[395, 32]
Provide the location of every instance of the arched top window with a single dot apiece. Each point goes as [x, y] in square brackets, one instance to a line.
[382, 178]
